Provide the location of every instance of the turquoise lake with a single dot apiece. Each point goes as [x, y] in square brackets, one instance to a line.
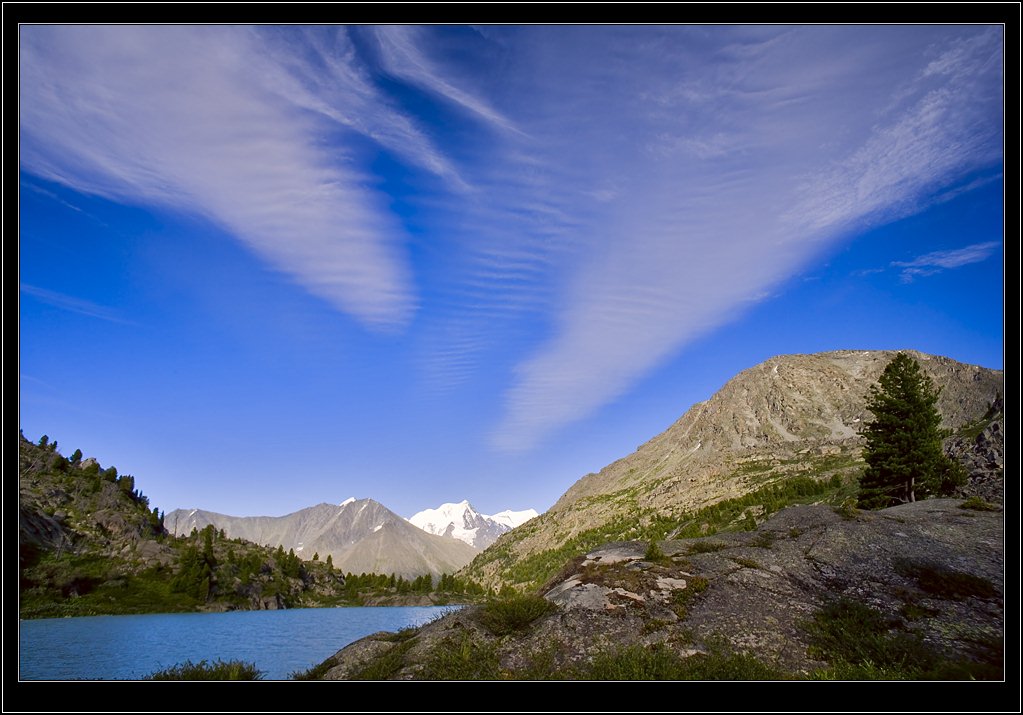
[131, 647]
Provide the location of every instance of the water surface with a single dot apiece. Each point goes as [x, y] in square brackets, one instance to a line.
[131, 647]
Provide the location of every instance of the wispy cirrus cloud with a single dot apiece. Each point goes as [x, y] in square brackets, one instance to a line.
[192, 118]
[938, 261]
[402, 54]
[75, 305]
[633, 188]
[738, 155]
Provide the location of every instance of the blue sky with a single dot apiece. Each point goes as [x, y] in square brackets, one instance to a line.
[266, 267]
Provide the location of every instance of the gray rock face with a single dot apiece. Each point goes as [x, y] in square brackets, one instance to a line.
[360, 536]
[754, 590]
[792, 414]
[983, 454]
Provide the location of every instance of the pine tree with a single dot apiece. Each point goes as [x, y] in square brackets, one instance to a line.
[904, 455]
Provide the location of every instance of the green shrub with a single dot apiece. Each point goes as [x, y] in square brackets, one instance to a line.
[706, 547]
[847, 509]
[512, 614]
[978, 504]
[655, 555]
[219, 670]
[945, 582]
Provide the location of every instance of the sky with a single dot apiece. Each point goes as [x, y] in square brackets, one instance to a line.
[265, 267]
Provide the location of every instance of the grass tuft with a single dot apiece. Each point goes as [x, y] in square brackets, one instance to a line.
[316, 672]
[661, 663]
[462, 658]
[385, 665]
[219, 670]
[706, 547]
[978, 504]
[509, 615]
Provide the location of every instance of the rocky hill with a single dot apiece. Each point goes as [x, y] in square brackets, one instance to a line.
[910, 592]
[783, 426]
[90, 544]
[361, 536]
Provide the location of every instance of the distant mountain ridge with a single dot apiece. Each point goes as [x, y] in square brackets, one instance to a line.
[461, 521]
[360, 535]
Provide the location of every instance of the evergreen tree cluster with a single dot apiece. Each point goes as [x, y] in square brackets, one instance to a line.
[196, 568]
[357, 584]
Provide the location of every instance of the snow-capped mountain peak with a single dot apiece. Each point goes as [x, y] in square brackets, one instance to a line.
[463, 522]
[514, 518]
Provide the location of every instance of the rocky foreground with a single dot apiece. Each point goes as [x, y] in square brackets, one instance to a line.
[929, 575]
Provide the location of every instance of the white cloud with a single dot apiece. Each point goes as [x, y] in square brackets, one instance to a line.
[636, 187]
[75, 305]
[737, 201]
[402, 56]
[937, 261]
[191, 118]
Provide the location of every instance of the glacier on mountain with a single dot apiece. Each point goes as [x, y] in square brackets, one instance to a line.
[463, 522]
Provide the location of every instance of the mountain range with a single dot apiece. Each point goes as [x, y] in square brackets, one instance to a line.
[364, 536]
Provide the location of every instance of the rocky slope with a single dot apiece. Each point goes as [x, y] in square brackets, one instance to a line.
[461, 521]
[361, 536]
[913, 591]
[792, 415]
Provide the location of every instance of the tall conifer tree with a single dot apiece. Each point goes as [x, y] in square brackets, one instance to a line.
[904, 455]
